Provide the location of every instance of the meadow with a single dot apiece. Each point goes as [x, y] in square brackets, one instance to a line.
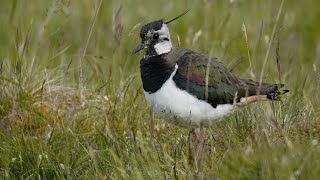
[72, 104]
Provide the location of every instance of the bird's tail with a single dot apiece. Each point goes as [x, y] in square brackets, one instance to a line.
[266, 92]
[253, 88]
[275, 95]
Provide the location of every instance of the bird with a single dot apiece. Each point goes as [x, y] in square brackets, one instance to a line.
[191, 89]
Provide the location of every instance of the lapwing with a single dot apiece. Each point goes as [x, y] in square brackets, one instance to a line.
[191, 89]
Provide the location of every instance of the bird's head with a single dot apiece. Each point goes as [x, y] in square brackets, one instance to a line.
[155, 37]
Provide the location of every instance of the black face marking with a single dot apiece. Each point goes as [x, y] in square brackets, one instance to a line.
[155, 25]
[156, 36]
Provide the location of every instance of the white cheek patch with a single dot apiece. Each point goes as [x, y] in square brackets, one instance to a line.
[164, 31]
[163, 46]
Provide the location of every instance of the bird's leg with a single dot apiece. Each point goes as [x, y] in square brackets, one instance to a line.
[194, 134]
[200, 144]
[195, 137]
[193, 140]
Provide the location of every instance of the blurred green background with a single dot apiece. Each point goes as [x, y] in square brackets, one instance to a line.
[71, 103]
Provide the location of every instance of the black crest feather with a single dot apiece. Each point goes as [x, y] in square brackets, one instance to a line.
[155, 25]
[179, 16]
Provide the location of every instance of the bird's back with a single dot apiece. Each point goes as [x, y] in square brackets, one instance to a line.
[208, 79]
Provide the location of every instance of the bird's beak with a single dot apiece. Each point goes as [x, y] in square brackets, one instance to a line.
[138, 48]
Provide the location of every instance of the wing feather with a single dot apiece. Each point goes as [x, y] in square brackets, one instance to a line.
[222, 86]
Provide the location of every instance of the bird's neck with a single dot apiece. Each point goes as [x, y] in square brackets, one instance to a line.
[155, 71]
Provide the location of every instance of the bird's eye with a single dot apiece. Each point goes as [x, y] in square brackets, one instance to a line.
[155, 36]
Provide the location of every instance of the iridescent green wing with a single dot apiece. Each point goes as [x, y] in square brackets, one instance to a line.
[205, 78]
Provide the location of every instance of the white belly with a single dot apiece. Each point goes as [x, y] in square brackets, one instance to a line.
[179, 107]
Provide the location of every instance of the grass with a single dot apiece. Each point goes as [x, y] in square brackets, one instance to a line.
[72, 106]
